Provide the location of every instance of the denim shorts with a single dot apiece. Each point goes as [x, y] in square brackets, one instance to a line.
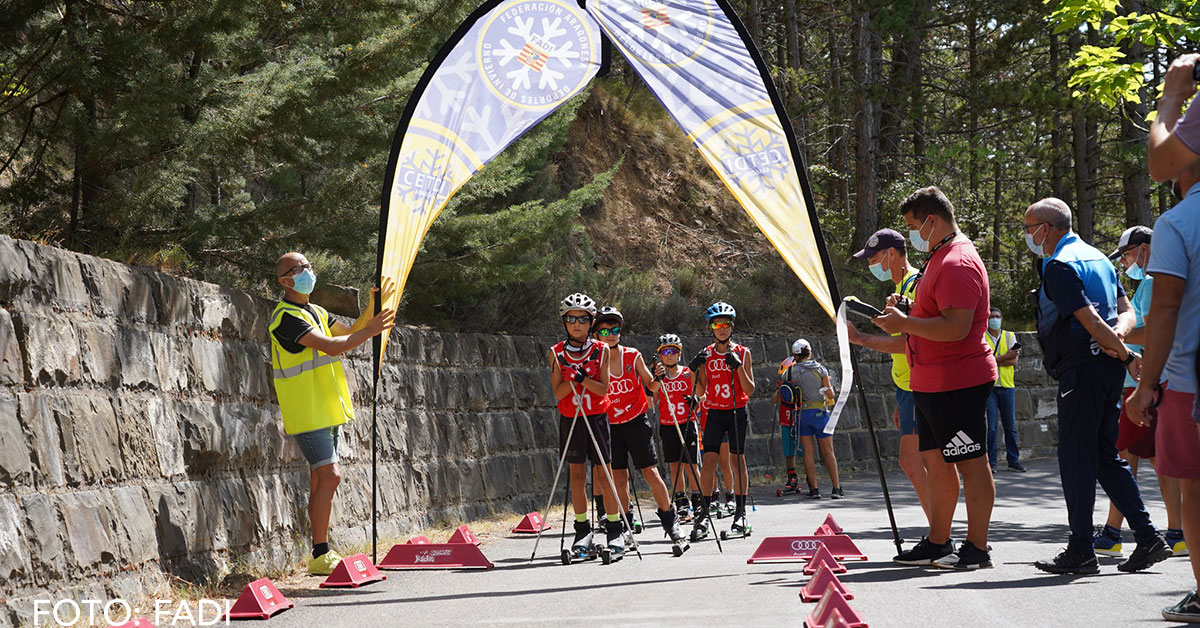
[907, 406]
[320, 447]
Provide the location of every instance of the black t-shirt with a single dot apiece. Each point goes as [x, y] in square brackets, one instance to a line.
[292, 328]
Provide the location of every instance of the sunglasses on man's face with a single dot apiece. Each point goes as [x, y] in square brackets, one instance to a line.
[668, 351]
[608, 331]
[720, 324]
[586, 319]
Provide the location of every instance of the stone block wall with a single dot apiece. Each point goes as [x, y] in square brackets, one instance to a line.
[139, 433]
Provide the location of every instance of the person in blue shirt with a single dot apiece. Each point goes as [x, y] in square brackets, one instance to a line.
[1135, 442]
[1082, 316]
[1169, 371]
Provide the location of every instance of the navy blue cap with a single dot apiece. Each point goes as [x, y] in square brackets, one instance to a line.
[880, 240]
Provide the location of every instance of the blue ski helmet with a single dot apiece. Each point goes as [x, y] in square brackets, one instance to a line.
[720, 308]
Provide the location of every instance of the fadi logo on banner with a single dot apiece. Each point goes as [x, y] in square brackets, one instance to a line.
[642, 32]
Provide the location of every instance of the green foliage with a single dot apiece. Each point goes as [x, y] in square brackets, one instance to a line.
[1103, 73]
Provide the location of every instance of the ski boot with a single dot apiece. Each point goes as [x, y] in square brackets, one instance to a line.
[714, 506]
[600, 519]
[614, 548]
[739, 529]
[792, 486]
[682, 507]
[730, 503]
[583, 547]
[635, 523]
[670, 524]
[699, 530]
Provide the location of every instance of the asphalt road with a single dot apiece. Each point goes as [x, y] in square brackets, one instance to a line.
[707, 587]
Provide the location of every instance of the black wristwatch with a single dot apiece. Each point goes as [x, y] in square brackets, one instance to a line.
[1129, 358]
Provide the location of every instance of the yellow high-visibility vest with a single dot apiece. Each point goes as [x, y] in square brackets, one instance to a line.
[900, 369]
[999, 346]
[311, 385]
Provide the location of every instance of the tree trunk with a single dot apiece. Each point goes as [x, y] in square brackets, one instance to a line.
[1135, 183]
[837, 123]
[866, 128]
[1057, 172]
[913, 47]
[1082, 141]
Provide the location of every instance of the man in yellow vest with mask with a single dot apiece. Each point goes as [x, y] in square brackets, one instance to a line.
[310, 384]
[1001, 407]
[886, 254]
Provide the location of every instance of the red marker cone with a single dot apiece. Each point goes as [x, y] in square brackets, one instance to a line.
[420, 539]
[795, 548]
[353, 571]
[823, 558]
[259, 600]
[833, 611]
[463, 535]
[435, 556]
[833, 524]
[824, 530]
[531, 524]
[816, 586]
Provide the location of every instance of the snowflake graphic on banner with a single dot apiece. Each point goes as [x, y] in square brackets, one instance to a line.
[538, 61]
[757, 160]
[423, 181]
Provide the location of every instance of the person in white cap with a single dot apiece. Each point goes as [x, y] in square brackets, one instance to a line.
[812, 381]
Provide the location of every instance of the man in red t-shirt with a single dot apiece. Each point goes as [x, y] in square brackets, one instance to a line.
[953, 371]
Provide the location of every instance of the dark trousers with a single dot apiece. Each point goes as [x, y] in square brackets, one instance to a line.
[1087, 432]
[1001, 408]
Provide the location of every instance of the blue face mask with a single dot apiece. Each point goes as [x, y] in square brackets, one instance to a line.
[1136, 272]
[994, 324]
[304, 281]
[879, 272]
[1038, 249]
[919, 243]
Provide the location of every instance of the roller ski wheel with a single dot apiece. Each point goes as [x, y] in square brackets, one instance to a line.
[698, 533]
[610, 555]
[739, 530]
[680, 547]
[637, 527]
[780, 492]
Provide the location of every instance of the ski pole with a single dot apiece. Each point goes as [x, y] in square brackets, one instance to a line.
[607, 472]
[688, 453]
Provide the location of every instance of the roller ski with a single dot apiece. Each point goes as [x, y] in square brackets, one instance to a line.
[791, 488]
[583, 548]
[739, 530]
[615, 546]
[670, 524]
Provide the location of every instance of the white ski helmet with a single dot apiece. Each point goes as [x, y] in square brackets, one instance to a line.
[577, 301]
[801, 346]
[669, 340]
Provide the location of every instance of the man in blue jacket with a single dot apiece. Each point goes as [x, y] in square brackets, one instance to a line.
[1083, 315]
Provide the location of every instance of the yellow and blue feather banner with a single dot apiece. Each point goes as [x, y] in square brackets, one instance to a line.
[699, 61]
[508, 66]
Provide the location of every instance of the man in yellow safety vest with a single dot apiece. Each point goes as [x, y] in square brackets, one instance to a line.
[310, 384]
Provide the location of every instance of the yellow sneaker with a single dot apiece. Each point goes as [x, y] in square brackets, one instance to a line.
[324, 564]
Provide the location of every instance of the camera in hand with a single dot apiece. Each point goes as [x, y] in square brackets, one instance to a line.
[1016, 346]
[903, 304]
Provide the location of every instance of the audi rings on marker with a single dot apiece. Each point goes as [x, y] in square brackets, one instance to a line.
[803, 545]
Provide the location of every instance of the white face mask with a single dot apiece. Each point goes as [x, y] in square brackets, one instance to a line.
[1038, 249]
[914, 235]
